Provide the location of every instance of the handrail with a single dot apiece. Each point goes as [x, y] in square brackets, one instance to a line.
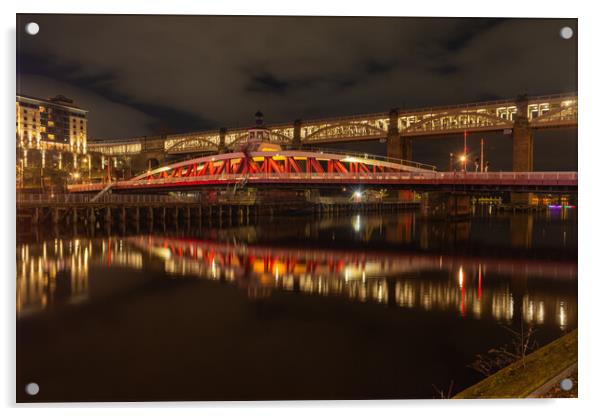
[451, 177]
[372, 156]
[113, 198]
[430, 177]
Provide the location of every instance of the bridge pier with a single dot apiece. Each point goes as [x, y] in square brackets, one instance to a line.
[91, 217]
[221, 147]
[137, 218]
[187, 216]
[150, 217]
[55, 216]
[297, 134]
[522, 147]
[35, 218]
[397, 147]
[175, 216]
[108, 216]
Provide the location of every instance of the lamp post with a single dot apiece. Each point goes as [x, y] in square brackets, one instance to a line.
[482, 154]
[451, 162]
[463, 162]
[465, 151]
[21, 173]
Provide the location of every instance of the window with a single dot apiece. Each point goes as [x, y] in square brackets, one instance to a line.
[51, 136]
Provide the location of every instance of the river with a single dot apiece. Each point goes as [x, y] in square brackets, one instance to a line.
[362, 306]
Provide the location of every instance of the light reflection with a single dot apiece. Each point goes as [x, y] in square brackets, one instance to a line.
[357, 223]
[38, 272]
[365, 276]
[49, 274]
[57, 272]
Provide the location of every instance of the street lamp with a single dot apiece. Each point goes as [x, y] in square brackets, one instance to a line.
[463, 161]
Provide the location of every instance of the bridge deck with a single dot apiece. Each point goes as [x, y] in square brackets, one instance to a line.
[516, 181]
[549, 111]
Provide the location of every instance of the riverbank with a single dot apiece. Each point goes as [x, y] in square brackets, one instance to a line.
[534, 376]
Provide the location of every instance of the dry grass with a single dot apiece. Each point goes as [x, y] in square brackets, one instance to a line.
[527, 374]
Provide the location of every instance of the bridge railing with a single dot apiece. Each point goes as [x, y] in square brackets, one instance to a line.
[360, 155]
[66, 199]
[445, 178]
[440, 176]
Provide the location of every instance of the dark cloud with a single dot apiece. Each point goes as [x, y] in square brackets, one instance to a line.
[445, 69]
[195, 72]
[268, 83]
[467, 30]
[375, 67]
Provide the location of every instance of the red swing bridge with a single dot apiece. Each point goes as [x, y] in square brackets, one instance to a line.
[271, 167]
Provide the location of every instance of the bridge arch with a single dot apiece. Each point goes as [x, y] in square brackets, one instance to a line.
[347, 129]
[283, 139]
[556, 114]
[454, 119]
[201, 144]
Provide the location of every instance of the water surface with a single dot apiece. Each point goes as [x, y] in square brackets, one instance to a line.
[351, 307]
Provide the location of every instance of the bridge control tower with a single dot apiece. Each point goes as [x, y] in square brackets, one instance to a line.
[258, 138]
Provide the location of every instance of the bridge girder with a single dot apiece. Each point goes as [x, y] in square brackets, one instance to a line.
[541, 112]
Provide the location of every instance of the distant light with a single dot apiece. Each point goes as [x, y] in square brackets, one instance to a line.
[463, 158]
[357, 194]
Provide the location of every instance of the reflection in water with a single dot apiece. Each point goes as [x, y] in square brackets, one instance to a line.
[408, 280]
[51, 272]
[287, 307]
[57, 271]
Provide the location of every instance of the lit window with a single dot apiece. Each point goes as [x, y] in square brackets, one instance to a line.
[50, 123]
[51, 136]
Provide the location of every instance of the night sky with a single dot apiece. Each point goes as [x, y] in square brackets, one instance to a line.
[143, 75]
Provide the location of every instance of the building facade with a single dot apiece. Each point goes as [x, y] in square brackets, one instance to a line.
[52, 136]
[54, 123]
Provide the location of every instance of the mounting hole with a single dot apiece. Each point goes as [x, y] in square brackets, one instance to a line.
[32, 28]
[566, 32]
[566, 384]
[32, 389]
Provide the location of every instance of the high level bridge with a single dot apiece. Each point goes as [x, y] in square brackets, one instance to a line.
[518, 117]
